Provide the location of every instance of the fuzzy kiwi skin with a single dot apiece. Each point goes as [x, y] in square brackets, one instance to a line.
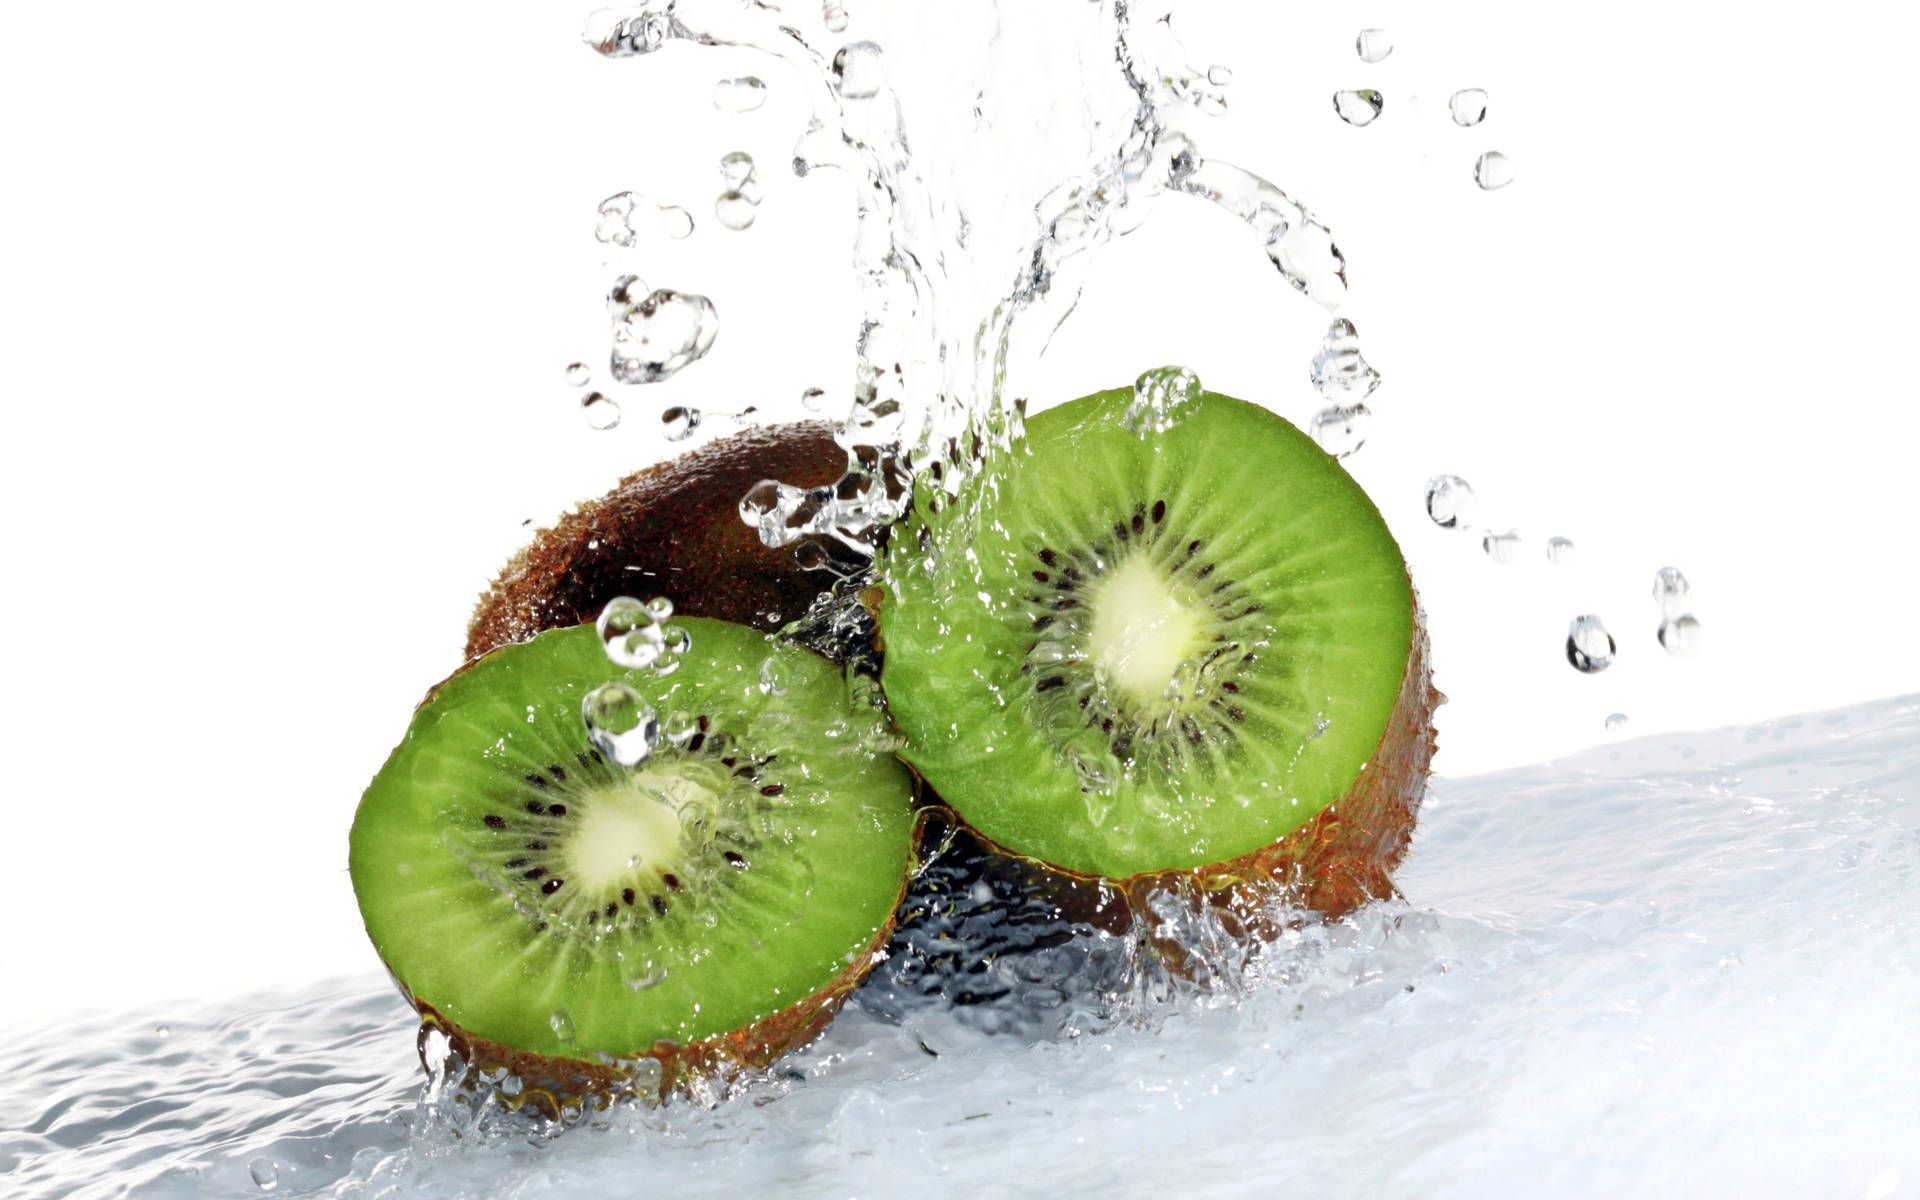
[1342, 858]
[672, 530]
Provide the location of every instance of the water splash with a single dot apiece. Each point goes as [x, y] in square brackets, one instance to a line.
[661, 335]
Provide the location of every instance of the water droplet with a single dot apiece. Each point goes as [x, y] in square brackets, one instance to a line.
[1560, 551]
[812, 398]
[772, 683]
[1373, 45]
[1616, 721]
[1468, 106]
[1493, 170]
[1589, 645]
[577, 374]
[615, 224]
[659, 608]
[653, 977]
[163, 1031]
[675, 222]
[857, 70]
[1341, 430]
[632, 638]
[561, 1022]
[265, 1172]
[1502, 547]
[1672, 595]
[1359, 108]
[661, 335]
[624, 296]
[833, 14]
[680, 422]
[1451, 502]
[735, 209]
[739, 95]
[1340, 373]
[736, 168]
[619, 723]
[1158, 396]
[602, 412]
[1681, 635]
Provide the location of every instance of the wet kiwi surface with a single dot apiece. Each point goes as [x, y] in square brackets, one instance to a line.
[713, 900]
[673, 529]
[1193, 650]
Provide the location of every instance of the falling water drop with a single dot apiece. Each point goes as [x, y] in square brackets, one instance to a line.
[739, 95]
[680, 422]
[675, 222]
[833, 15]
[629, 634]
[1560, 551]
[736, 168]
[619, 724]
[1373, 45]
[1681, 636]
[561, 1022]
[1451, 502]
[1359, 108]
[661, 335]
[601, 411]
[1504, 548]
[1616, 721]
[1589, 645]
[1341, 430]
[1340, 373]
[812, 398]
[1672, 595]
[1493, 171]
[735, 209]
[1468, 106]
[577, 374]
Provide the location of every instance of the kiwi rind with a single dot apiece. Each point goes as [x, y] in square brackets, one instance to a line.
[1334, 859]
[558, 1072]
[672, 530]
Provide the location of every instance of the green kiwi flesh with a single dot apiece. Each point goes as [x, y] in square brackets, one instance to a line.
[1120, 654]
[533, 895]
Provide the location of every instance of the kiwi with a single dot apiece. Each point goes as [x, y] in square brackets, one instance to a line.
[673, 530]
[1186, 655]
[567, 917]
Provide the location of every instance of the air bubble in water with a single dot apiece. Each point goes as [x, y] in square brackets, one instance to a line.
[1681, 635]
[680, 422]
[1340, 374]
[1359, 107]
[857, 71]
[1373, 45]
[1589, 645]
[577, 374]
[561, 1022]
[739, 95]
[1671, 592]
[1616, 721]
[735, 209]
[602, 412]
[619, 723]
[1158, 396]
[1451, 502]
[833, 15]
[1559, 551]
[1493, 170]
[1342, 429]
[661, 335]
[265, 1173]
[1468, 106]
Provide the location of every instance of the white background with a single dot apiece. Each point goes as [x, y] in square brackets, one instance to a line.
[286, 292]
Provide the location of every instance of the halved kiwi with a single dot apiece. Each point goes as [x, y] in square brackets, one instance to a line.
[1190, 652]
[565, 916]
[673, 530]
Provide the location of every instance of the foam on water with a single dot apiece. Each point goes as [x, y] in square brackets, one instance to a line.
[1671, 965]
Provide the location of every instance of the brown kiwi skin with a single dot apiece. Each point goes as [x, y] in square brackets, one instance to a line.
[672, 530]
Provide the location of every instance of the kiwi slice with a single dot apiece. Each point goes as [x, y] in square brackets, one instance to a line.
[673, 530]
[561, 914]
[1195, 650]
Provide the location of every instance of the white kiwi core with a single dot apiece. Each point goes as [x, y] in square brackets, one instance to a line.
[1144, 628]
